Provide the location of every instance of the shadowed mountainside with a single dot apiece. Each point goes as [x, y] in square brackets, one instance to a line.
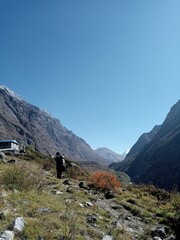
[159, 161]
[144, 139]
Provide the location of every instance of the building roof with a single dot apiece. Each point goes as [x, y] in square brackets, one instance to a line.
[14, 141]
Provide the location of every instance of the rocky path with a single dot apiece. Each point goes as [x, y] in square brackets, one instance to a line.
[121, 221]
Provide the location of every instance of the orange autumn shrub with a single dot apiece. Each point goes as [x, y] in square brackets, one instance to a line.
[104, 180]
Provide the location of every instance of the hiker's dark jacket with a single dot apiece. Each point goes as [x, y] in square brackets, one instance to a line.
[59, 161]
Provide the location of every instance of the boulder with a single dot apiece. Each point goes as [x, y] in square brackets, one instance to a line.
[18, 224]
[83, 185]
[159, 231]
[11, 161]
[7, 235]
[66, 182]
[109, 195]
[157, 238]
[81, 205]
[44, 210]
[2, 216]
[91, 219]
[2, 156]
[89, 204]
[70, 190]
[107, 237]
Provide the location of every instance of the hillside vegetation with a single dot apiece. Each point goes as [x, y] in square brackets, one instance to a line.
[76, 208]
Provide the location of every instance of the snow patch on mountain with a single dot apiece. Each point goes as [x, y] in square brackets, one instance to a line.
[11, 93]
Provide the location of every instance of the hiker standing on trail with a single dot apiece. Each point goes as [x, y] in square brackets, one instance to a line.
[60, 164]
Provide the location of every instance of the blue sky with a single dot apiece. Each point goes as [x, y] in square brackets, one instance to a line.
[108, 69]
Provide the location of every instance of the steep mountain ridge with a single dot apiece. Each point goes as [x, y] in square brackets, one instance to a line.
[30, 125]
[159, 161]
[144, 139]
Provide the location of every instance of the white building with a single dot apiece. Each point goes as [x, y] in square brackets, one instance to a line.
[9, 145]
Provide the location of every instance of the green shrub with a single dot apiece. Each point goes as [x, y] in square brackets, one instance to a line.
[32, 154]
[176, 205]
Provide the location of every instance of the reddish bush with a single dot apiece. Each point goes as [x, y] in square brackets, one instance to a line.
[104, 180]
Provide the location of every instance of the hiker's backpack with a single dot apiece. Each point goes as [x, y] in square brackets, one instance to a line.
[63, 165]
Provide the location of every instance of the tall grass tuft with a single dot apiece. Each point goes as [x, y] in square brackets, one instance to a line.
[22, 177]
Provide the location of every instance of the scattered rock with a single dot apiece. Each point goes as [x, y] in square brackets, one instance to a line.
[107, 237]
[53, 192]
[59, 193]
[171, 237]
[70, 190]
[159, 231]
[89, 204]
[66, 182]
[44, 210]
[91, 219]
[83, 185]
[127, 218]
[116, 207]
[157, 238]
[18, 224]
[131, 201]
[7, 235]
[2, 216]
[81, 205]
[114, 224]
[109, 195]
[2, 157]
[11, 161]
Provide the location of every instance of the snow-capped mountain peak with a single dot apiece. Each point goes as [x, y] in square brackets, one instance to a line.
[11, 93]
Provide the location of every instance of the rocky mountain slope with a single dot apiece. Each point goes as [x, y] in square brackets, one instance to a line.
[144, 139]
[30, 125]
[109, 155]
[159, 161]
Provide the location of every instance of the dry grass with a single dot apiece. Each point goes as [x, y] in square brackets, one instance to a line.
[22, 177]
